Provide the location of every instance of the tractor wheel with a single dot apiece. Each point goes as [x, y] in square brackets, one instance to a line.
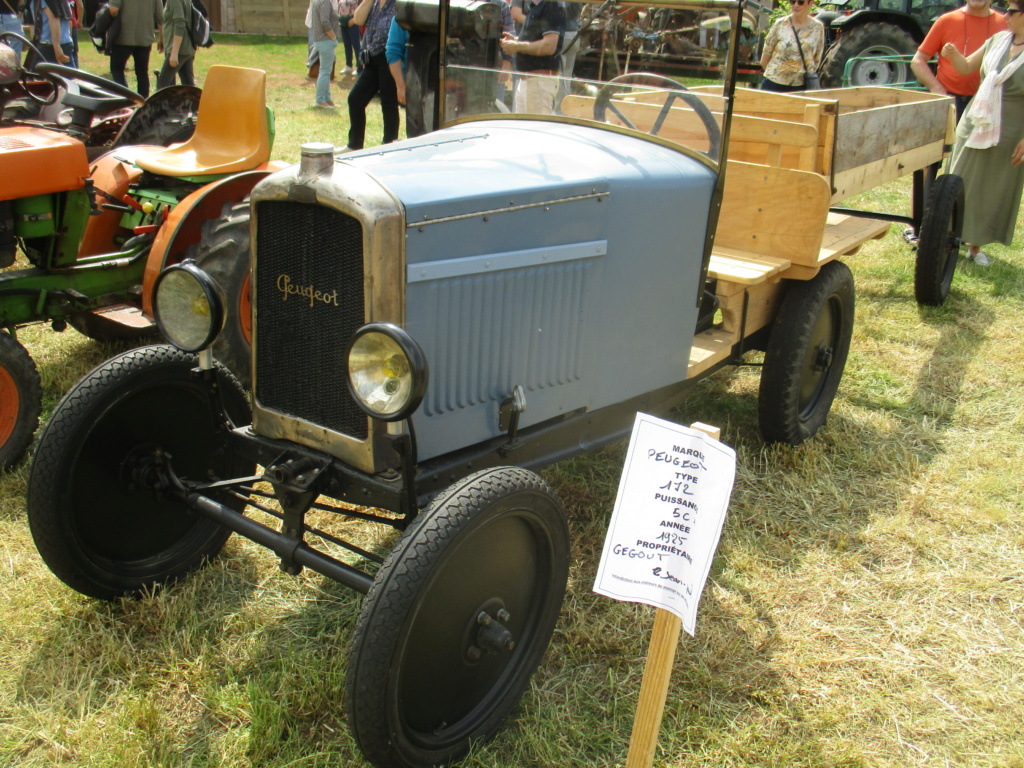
[223, 253]
[806, 355]
[20, 398]
[98, 519]
[457, 620]
[938, 246]
[874, 39]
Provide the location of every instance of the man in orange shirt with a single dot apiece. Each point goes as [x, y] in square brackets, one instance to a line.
[967, 28]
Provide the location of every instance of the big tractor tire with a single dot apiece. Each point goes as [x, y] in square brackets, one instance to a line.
[95, 508]
[20, 397]
[223, 253]
[872, 39]
[457, 620]
[806, 355]
[938, 245]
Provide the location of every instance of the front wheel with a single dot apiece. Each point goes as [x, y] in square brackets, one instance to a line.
[862, 43]
[20, 398]
[457, 620]
[98, 520]
[938, 246]
[806, 354]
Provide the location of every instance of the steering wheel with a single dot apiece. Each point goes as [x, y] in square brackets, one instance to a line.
[626, 83]
[96, 94]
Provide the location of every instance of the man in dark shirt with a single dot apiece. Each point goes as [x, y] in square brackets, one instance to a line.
[537, 57]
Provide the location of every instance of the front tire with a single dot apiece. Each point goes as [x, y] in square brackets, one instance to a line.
[20, 397]
[432, 669]
[938, 246]
[99, 527]
[806, 355]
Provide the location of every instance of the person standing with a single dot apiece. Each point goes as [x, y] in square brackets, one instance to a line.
[376, 77]
[140, 24]
[176, 45]
[10, 21]
[55, 34]
[989, 150]
[793, 47]
[326, 32]
[537, 57]
[350, 37]
[966, 28]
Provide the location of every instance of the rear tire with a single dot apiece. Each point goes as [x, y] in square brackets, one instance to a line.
[20, 397]
[806, 354]
[97, 524]
[431, 669]
[938, 245]
[872, 39]
[223, 253]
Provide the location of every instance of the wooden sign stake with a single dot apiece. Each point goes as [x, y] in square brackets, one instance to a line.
[657, 673]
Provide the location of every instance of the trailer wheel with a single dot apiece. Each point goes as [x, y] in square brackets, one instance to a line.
[98, 518]
[223, 253]
[870, 39]
[806, 355]
[20, 398]
[457, 619]
[938, 245]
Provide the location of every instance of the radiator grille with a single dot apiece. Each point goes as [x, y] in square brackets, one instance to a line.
[309, 301]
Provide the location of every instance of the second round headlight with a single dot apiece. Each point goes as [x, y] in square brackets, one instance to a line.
[387, 371]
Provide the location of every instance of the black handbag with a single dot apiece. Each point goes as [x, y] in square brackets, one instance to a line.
[812, 82]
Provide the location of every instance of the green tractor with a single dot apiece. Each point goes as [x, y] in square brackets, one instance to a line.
[862, 29]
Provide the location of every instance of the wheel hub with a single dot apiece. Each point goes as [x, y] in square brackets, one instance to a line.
[488, 633]
[823, 358]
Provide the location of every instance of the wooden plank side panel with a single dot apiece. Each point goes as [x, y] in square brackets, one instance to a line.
[856, 180]
[870, 135]
[775, 212]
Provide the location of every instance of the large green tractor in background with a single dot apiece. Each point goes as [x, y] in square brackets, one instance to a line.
[859, 29]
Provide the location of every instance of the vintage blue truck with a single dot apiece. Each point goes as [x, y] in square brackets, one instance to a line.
[433, 320]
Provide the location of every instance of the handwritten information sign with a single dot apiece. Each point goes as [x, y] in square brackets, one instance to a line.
[667, 519]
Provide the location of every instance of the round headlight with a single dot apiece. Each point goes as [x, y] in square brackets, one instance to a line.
[188, 307]
[387, 371]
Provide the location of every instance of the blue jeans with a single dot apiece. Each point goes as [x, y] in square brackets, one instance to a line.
[10, 22]
[325, 50]
[350, 37]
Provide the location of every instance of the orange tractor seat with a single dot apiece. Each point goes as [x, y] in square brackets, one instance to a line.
[231, 128]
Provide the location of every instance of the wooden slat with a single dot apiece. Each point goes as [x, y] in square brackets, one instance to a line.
[743, 267]
[845, 234]
[856, 180]
[709, 348]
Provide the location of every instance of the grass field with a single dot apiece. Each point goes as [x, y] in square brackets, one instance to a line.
[866, 607]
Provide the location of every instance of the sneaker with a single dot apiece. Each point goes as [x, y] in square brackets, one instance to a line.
[327, 105]
[347, 71]
[980, 258]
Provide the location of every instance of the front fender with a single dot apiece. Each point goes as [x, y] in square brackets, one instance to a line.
[183, 227]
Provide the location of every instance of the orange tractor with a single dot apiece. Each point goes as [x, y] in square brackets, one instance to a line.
[82, 240]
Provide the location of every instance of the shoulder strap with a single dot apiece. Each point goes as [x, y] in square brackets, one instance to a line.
[799, 47]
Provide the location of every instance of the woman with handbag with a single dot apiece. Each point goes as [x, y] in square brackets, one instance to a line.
[793, 50]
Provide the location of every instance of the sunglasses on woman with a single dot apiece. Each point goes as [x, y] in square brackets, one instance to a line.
[1009, 11]
[804, 2]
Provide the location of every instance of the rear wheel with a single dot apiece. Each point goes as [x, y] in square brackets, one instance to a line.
[806, 354]
[457, 620]
[938, 245]
[99, 521]
[223, 253]
[873, 39]
[20, 398]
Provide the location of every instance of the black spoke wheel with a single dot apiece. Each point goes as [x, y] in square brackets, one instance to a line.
[604, 103]
[457, 619]
[223, 253]
[20, 398]
[938, 245]
[96, 514]
[806, 354]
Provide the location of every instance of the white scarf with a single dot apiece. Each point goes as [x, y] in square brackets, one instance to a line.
[986, 108]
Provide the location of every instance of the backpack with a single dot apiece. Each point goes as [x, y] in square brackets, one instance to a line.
[199, 27]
